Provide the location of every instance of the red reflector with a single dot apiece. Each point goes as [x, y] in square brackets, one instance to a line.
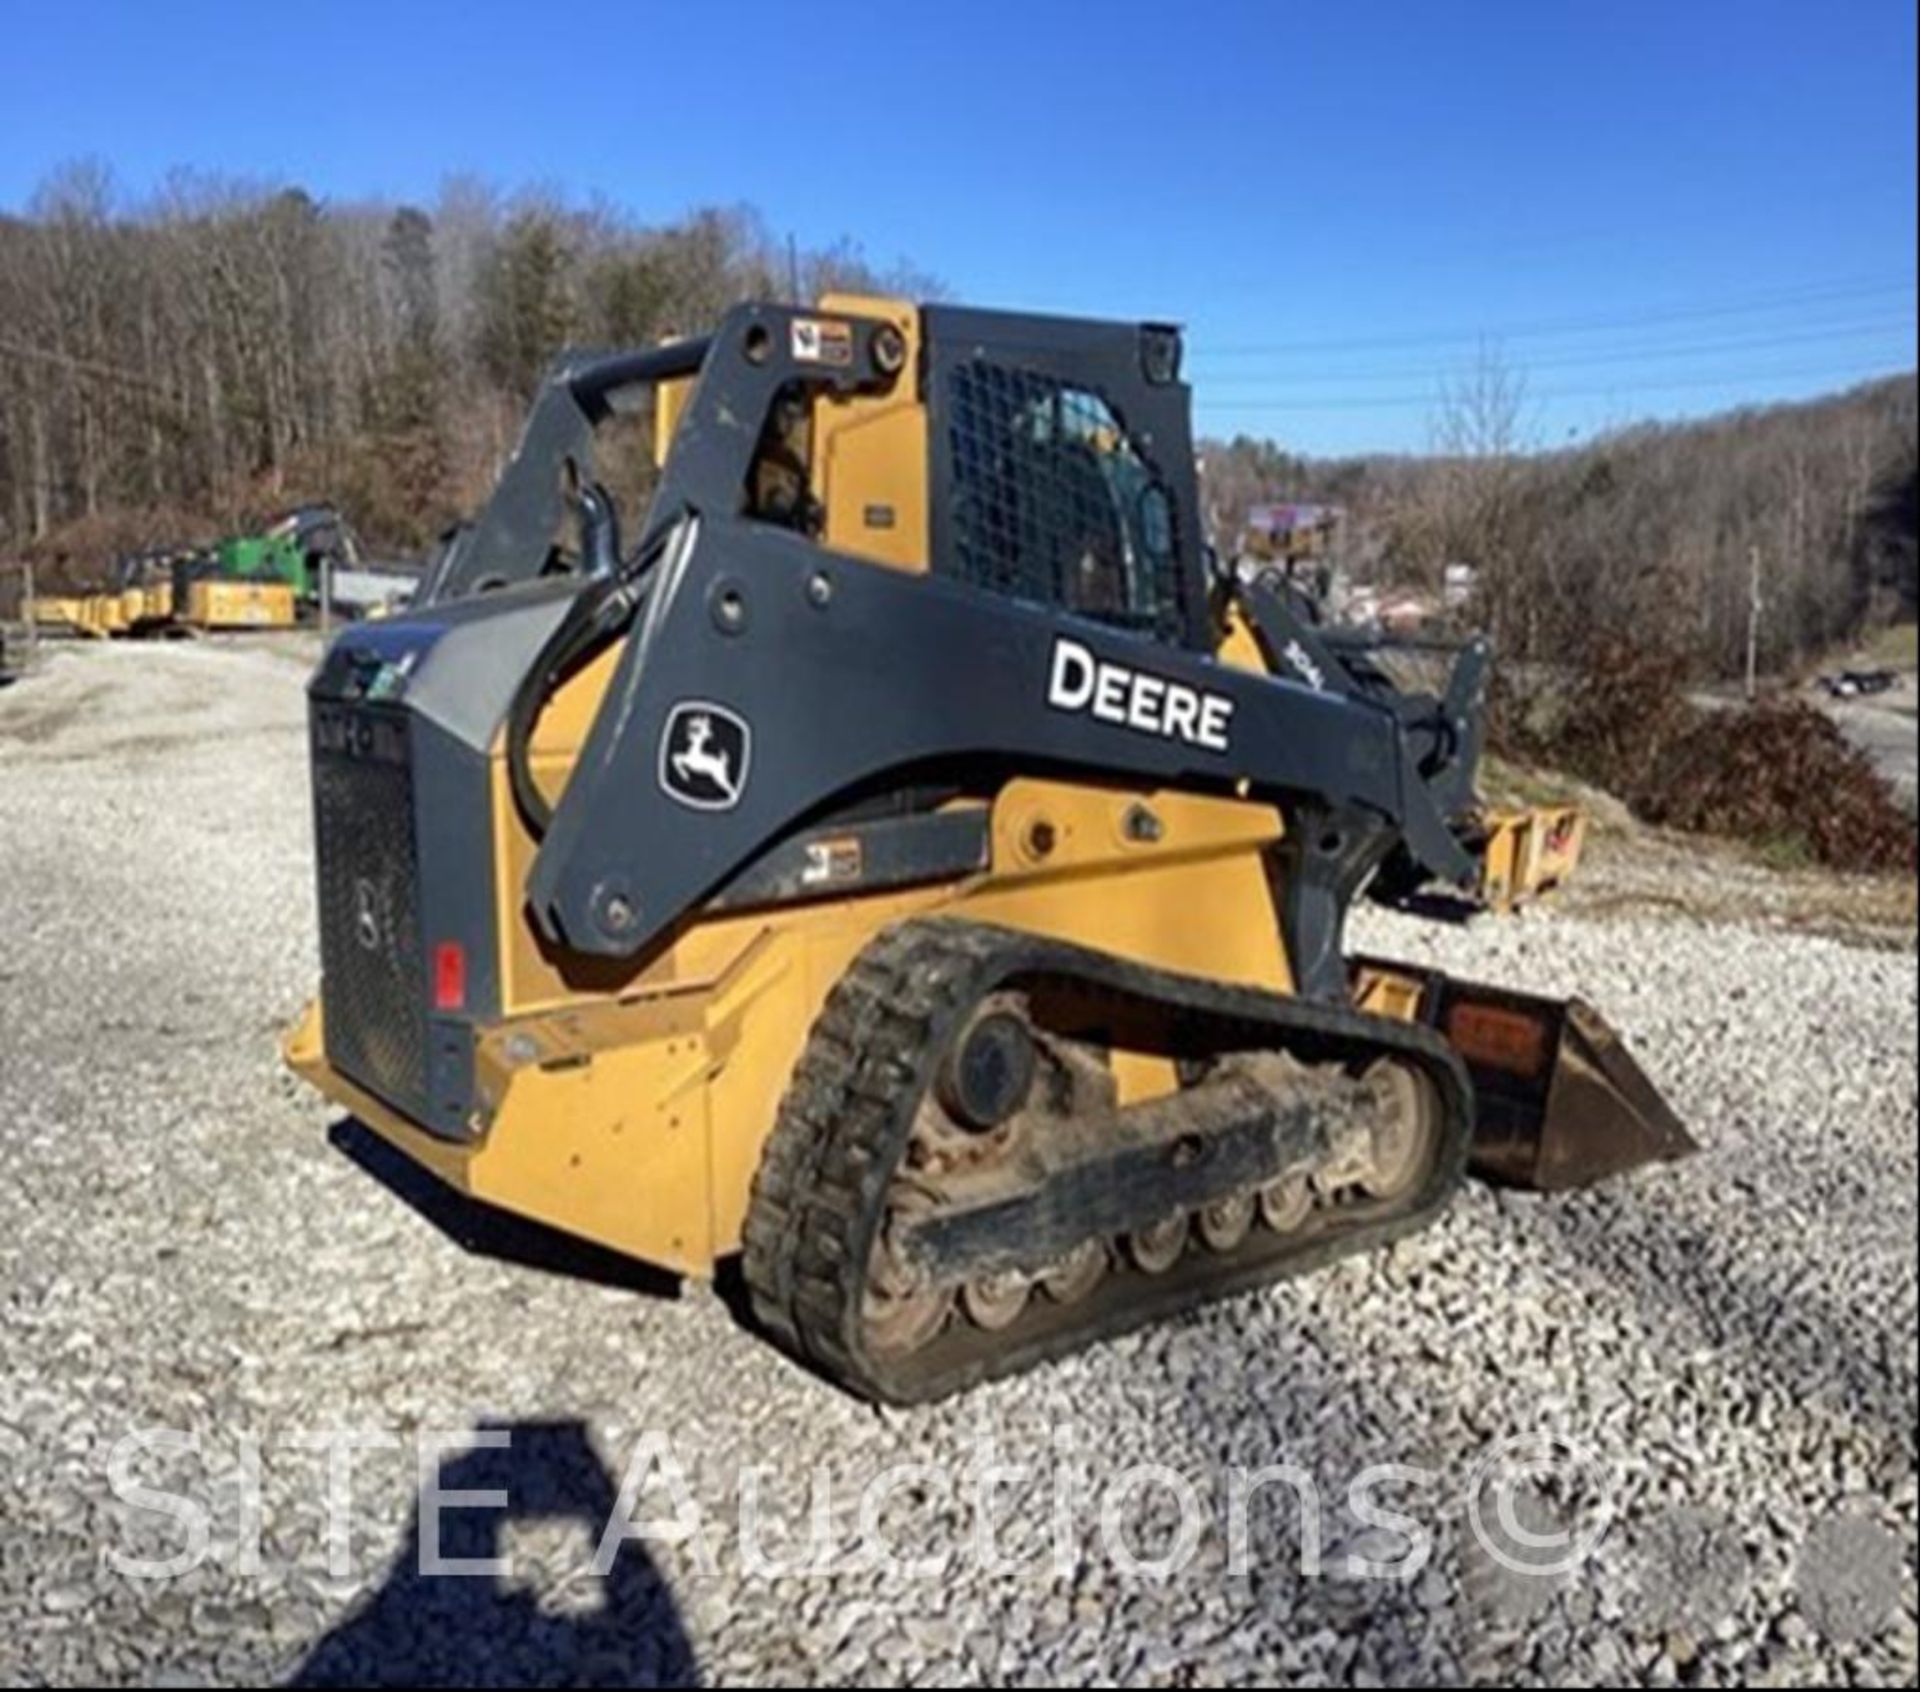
[449, 975]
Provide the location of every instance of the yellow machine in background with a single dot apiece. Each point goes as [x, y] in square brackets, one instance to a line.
[210, 604]
[227, 603]
[106, 613]
[151, 604]
[55, 612]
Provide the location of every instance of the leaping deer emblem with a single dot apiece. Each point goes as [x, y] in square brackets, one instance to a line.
[699, 757]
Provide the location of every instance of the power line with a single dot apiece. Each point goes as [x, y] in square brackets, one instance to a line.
[1762, 306]
[1779, 301]
[1611, 355]
[1604, 390]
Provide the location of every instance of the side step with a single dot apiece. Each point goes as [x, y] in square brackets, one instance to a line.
[1559, 1100]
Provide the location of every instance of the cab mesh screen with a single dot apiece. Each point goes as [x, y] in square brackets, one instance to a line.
[1047, 494]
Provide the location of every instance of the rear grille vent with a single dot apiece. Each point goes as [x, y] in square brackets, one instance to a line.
[373, 987]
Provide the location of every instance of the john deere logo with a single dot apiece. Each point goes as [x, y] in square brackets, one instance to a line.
[366, 914]
[704, 751]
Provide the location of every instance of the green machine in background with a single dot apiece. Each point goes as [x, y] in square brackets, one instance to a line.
[303, 563]
[314, 551]
[291, 549]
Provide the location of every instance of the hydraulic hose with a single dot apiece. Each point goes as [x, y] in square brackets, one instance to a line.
[599, 613]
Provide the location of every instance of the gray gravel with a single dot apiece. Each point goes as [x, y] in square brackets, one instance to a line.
[1728, 1345]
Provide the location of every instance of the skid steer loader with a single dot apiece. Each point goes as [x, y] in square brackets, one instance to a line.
[905, 865]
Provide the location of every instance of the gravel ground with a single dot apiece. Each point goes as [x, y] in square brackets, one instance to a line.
[1718, 1356]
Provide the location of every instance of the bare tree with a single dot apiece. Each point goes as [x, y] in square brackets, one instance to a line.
[227, 347]
[1641, 535]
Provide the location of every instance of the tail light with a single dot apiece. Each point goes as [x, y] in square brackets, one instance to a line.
[449, 976]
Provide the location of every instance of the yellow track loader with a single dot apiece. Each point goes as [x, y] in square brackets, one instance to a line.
[904, 866]
[54, 613]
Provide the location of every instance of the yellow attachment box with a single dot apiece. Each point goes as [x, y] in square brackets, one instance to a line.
[234, 604]
[1530, 852]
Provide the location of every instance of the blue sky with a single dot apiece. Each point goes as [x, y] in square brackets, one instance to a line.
[1649, 209]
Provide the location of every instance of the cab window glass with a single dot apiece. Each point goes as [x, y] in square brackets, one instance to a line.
[1054, 503]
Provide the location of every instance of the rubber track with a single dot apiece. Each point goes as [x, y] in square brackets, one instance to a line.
[820, 1192]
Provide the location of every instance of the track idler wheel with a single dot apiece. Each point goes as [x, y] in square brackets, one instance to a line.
[1076, 1274]
[995, 1301]
[1157, 1249]
[900, 1310]
[1286, 1203]
[1223, 1224]
[1404, 1130]
[898, 1323]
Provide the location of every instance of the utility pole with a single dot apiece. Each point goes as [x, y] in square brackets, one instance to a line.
[1754, 604]
[32, 622]
[793, 270]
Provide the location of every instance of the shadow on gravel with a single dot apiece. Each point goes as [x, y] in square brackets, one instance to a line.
[1434, 904]
[1777, 1337]
[420, 1629]
[488, 1232]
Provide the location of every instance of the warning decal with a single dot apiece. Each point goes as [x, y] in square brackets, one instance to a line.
[818, 340]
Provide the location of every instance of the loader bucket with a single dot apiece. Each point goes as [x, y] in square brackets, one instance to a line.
[1560, 1101]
